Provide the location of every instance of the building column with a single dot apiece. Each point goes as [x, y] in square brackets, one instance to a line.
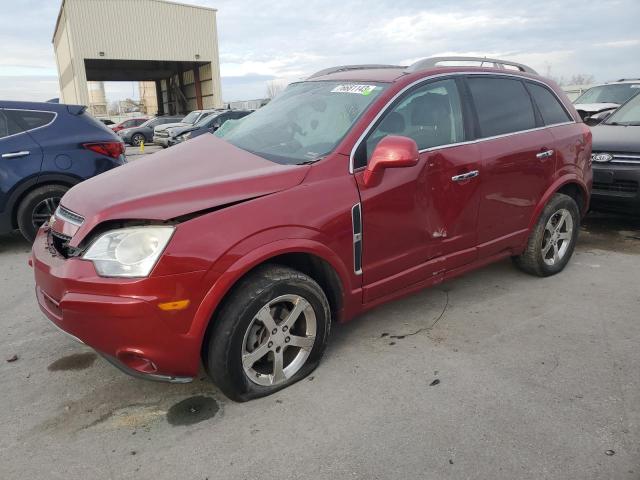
[159, 97]
[196, 81]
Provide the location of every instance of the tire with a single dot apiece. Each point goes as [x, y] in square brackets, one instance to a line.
[137, 139]
[37, 207]
[238, 331]
[553, 239]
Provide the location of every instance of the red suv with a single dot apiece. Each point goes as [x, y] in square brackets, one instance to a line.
[350, 189]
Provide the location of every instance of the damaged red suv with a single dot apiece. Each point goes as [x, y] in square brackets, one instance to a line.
[350, 189]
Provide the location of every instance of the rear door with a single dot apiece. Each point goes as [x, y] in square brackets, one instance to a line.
[518, 158]
[421, 220]
[20, 155]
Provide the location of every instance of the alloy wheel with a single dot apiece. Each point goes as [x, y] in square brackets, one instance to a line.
[279, 340]
[558, 235]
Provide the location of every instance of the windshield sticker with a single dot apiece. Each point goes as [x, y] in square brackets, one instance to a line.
[357, 89]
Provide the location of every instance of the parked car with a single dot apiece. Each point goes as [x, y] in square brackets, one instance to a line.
[144, 133]
[46, 148]
[128, 123]
[352, 188]
[616, 160]
[161, 133]
[606, 97]
[207, 125]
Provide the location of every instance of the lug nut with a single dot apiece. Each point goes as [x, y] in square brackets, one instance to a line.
[270, 344]
[274, 331]
[287, 340]
[285, 328]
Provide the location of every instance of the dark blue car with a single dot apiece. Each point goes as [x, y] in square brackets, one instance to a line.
[45, 149]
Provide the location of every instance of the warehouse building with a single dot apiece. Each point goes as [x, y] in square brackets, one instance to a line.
[173, 45]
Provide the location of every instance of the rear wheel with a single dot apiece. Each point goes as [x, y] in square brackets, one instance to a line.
[137, 139]
[37, 207]
[552, 241]
[270, 333]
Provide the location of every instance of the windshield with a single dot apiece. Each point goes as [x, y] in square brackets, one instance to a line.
[191, 118]
[613, 93]
[304, 123]
[628, 114]
[205, 121]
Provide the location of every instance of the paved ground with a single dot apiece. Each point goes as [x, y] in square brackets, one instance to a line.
[538, 378]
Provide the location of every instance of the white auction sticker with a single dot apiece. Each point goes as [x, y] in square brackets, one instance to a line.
[353, 88]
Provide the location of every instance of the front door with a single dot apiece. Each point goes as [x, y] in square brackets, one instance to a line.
[421, 220]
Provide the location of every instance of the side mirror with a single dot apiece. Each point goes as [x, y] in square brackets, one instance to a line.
[393, 151]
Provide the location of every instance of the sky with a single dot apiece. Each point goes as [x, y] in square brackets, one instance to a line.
[286, 40]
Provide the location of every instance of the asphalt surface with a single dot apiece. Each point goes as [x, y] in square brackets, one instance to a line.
[496, 375]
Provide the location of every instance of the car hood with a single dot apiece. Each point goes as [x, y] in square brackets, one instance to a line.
[595, 107]
[165, 126]
[616, 138]
[194, 176]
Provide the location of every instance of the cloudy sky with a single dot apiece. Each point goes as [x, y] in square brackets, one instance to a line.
[288, 39]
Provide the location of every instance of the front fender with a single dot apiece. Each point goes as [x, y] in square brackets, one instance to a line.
[244, 263]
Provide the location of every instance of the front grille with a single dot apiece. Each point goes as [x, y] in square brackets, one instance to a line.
[623, 158]
[60, 243]
[162, 134]
[619, 186]
[69, 216]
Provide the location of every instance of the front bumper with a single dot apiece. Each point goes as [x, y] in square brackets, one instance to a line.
[162, 141]
[616, 187]
[119, 317]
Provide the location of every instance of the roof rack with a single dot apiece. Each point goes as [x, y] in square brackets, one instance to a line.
[502, 64]
[345, 68]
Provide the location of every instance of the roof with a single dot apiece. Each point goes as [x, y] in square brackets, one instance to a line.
[157, 1]
[49, 106]
[390, 75]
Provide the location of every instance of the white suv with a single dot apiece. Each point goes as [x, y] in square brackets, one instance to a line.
[607, 96]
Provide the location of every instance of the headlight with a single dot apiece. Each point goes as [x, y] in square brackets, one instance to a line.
[184, 136]
[128, 252]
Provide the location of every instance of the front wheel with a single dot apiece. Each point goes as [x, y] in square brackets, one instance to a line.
[270, 333]
[553, 239]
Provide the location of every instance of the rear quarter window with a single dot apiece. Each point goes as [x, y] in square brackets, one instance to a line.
[548, 104]
[503, 105]
[8, 126]
[29, 119]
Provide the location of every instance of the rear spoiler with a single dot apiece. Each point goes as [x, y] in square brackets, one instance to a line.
[76, 109]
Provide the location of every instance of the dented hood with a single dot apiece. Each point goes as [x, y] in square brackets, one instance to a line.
[197, 175]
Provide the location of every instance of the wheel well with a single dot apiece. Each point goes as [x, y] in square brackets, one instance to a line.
[315, 267]
[19, 198]
[574, 191]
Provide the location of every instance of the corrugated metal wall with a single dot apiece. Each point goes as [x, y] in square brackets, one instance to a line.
[135, 30]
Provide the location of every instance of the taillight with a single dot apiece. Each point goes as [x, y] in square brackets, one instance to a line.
[110, 149]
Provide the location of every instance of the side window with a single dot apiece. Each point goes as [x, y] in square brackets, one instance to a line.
[29, 120]
[503, 105]
[8, 126]
[550, 107]
[430, 114]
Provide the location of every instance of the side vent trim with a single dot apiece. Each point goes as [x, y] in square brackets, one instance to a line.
[356, 222]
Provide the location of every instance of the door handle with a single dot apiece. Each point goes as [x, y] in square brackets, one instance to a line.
[23, 153]
[465, 176]
[545, 154]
